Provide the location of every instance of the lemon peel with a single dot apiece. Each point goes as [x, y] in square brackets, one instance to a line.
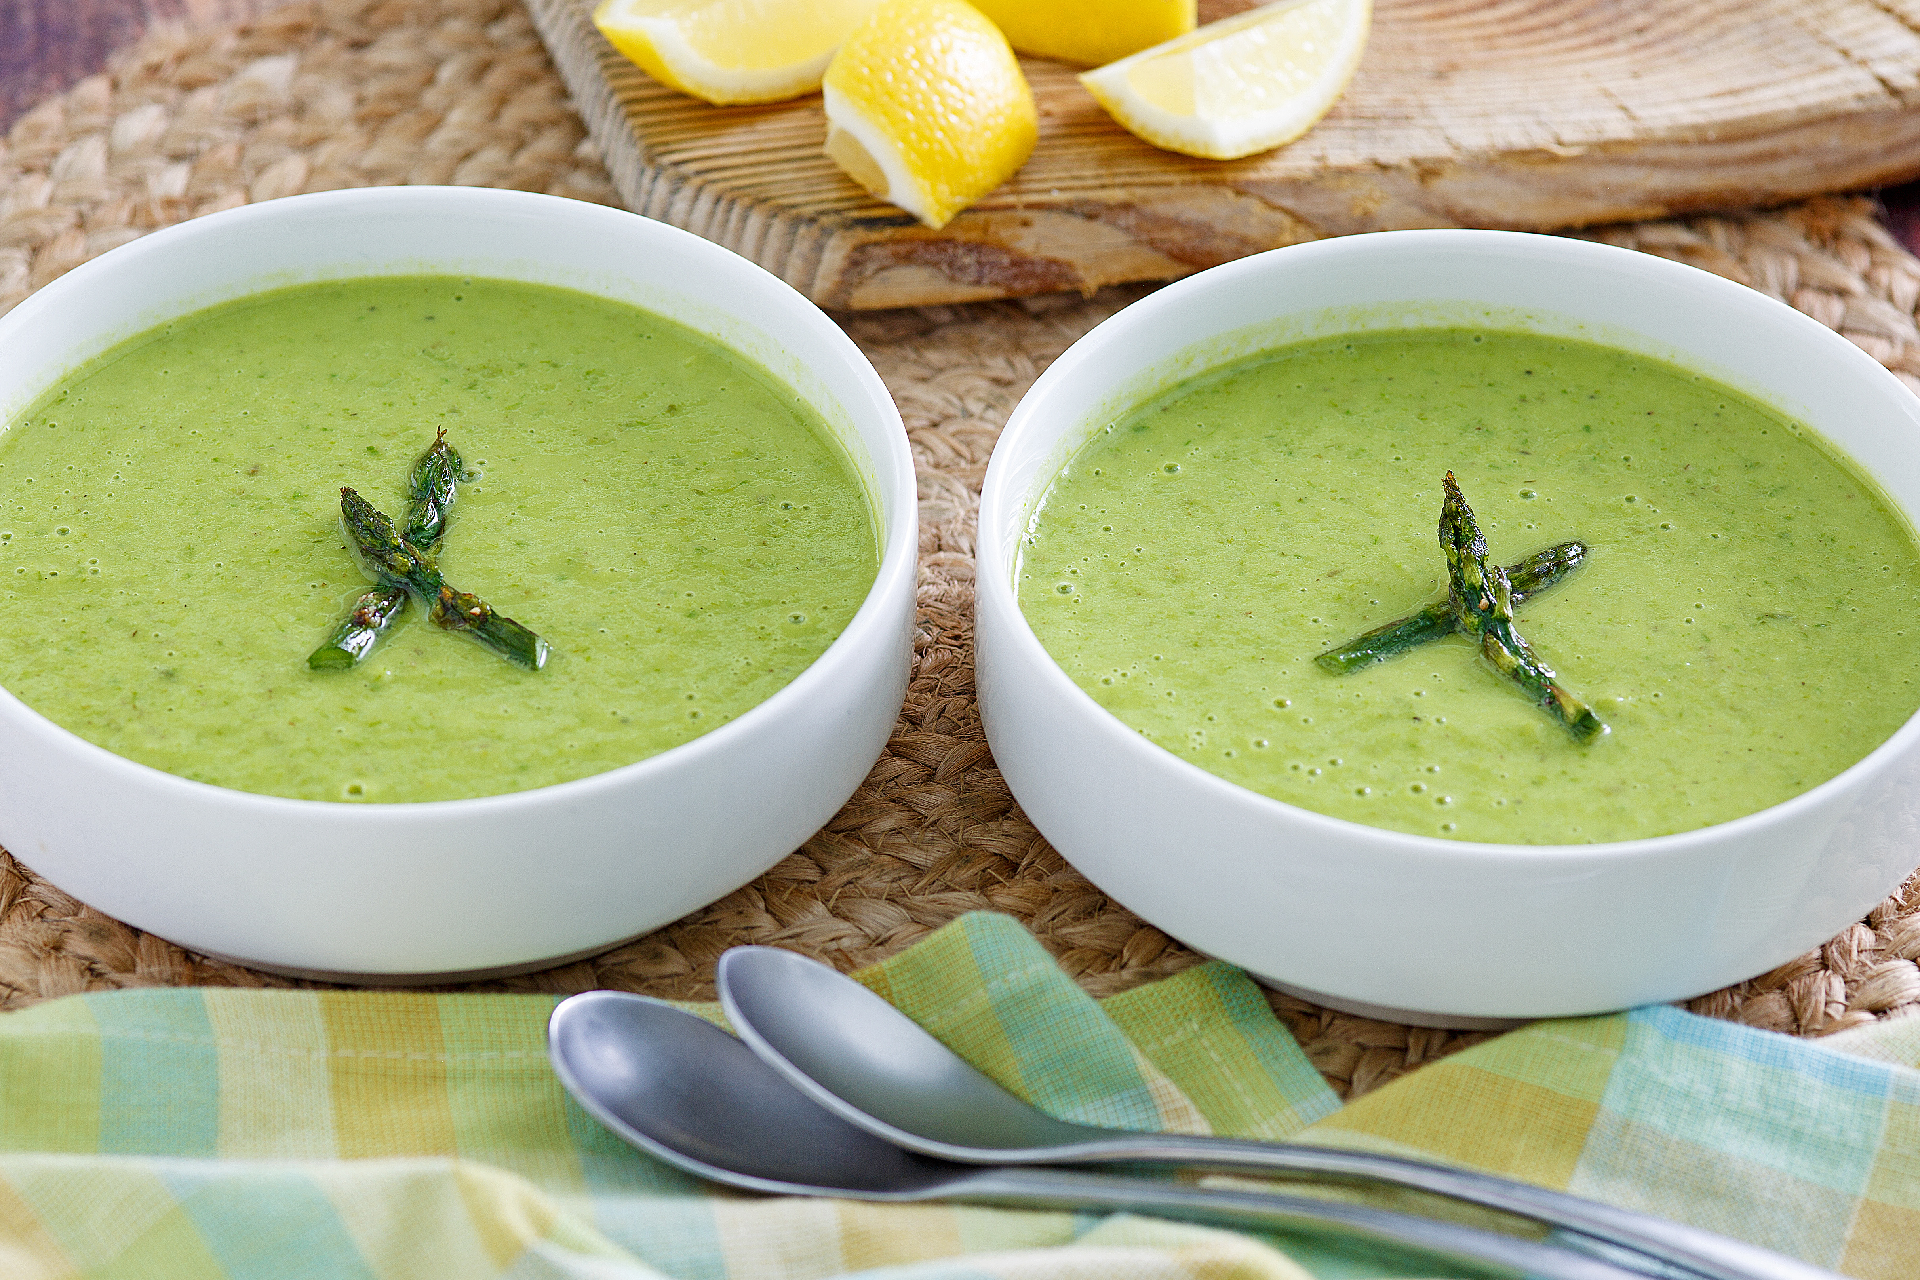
[1244, 84]
[927, 108]
[731, 51]
[1088, 32]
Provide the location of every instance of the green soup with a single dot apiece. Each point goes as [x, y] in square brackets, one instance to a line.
[681, 529]
[1745, 621]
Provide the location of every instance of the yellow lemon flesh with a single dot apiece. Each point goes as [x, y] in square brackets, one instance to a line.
[1245, 84]
[731, 51]
[1088, 32]
[926, 107]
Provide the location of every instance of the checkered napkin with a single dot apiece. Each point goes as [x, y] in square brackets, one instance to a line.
[287, 1134]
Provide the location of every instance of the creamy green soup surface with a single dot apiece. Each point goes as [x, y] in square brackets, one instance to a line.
[679, 526]
[1747, 621]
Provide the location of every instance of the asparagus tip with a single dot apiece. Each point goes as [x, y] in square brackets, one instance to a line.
[1588, 726]
[330, 658]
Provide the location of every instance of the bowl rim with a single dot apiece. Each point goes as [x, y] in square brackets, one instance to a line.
[891, 479]
[995, 555]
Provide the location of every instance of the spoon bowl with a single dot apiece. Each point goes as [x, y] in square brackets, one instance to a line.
[681, 1089]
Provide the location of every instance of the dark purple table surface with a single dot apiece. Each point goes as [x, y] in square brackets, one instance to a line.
[47, 45]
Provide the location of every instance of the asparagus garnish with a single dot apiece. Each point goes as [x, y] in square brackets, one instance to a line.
[431, 489]
[1529, 577]
[467, 613]
[357, 633]
[393, 562]
[378, 547]
[1482, 600]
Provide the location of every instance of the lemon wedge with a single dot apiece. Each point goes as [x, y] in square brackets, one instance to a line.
[1244, 84]
[1088, 32]
[926, 107]
[731, 51]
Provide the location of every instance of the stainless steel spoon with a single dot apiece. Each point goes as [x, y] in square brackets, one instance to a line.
[872, 1066]
[685, 1091]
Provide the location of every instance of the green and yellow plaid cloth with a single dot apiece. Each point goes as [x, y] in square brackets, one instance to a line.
[286, 1134]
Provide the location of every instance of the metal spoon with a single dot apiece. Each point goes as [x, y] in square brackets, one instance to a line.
[683, 1090]
[871, 1065]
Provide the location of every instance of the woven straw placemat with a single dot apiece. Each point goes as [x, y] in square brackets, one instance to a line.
[357, 92]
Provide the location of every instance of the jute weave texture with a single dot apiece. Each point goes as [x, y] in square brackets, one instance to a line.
[347, 93]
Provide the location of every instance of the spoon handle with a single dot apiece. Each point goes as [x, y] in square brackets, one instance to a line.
[1704, 1252]
[1508, 1256]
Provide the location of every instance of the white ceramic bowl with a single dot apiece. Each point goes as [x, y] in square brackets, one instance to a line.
[1418, 927]
[503, 882]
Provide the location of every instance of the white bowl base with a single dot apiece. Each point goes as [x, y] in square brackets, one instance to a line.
[1382, 1013]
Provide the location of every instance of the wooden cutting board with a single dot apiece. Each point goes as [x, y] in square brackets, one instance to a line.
[1523, 114]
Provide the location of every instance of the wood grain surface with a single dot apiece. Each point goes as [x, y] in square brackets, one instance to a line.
[1526, 114]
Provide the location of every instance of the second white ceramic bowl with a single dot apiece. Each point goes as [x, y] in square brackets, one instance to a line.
[1419, 928]
[420, 891]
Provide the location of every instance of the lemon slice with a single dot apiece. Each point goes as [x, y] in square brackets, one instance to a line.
[731, 51]
[1240, 85]
[1089, 32]
[926, 107]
